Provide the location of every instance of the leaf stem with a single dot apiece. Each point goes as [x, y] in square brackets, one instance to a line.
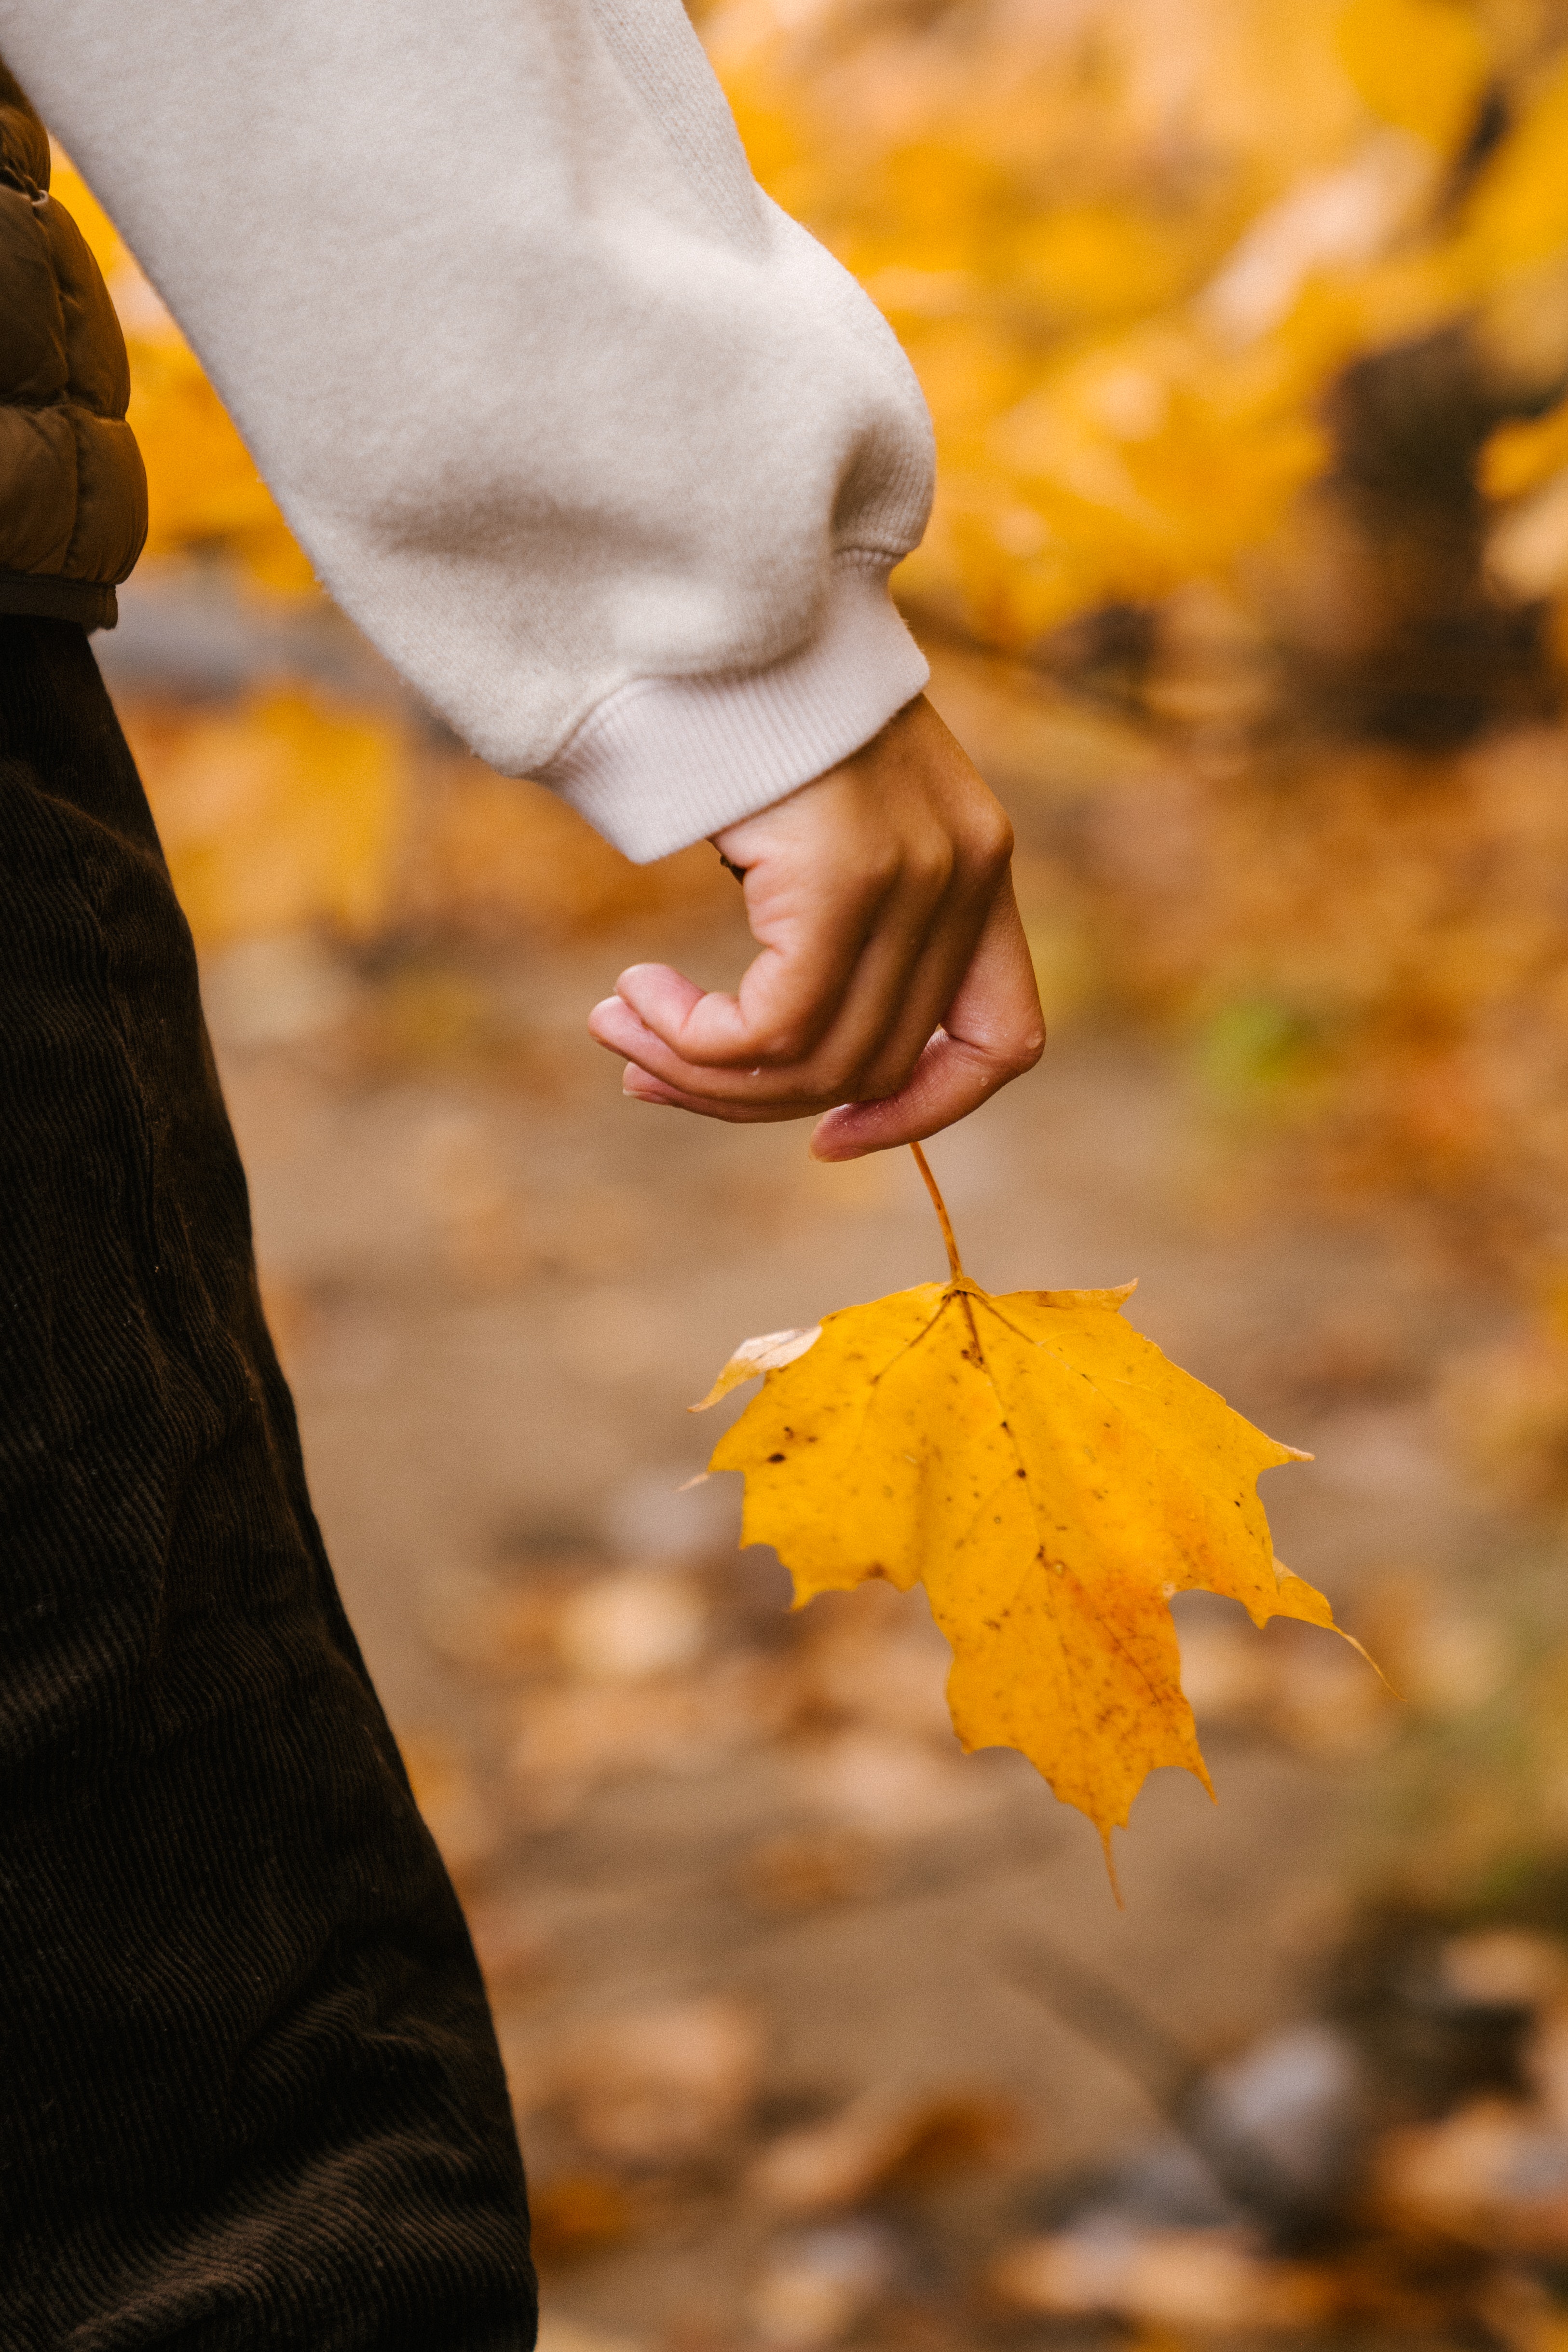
[940, 1206]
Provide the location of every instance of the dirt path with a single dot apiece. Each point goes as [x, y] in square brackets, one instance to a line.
[496, 1287]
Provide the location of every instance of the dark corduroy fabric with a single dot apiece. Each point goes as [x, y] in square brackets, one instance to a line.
[249, 2089]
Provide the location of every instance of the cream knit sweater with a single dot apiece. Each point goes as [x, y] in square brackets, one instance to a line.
[609, 455]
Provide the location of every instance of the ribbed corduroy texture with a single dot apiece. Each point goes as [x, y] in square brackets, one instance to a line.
[249, 2089]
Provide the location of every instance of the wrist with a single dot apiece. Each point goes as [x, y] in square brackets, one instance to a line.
[664, 761]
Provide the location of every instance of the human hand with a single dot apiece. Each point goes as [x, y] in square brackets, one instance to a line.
[892, 988]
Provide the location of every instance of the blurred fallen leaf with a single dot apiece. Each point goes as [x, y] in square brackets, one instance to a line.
[869, 1661]
[885, 1784]
[802, 1871]
[570, 1741]
[496, 1633]
[474, 1201]
[1051, 1480]
[1318, 1703]
[880, 2141]
[1494, 2175]
[663, 2085]
[1327, 1704]
[1511, 1968]
[1211, 2280]
[1444, 1658]
[634, 1624]
[815, 2288]
[577, 2214]
[1527, 552]
[1225, 1678]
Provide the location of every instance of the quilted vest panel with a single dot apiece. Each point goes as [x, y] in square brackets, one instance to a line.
[73, 493]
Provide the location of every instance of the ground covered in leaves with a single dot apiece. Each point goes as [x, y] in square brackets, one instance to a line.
[820, 2033]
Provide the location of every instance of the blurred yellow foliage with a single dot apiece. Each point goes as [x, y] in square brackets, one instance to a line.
[490, 853]
[276, 814]
[1519, 458]
[203, 489]
[1128, 245]
[1422, 64]
[1518, 216]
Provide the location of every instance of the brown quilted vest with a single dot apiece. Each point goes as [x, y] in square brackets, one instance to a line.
[73, 494]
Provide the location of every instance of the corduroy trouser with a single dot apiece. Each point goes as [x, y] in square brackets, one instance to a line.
[250, 2094]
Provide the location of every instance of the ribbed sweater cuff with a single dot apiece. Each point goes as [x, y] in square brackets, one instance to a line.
[664, 761]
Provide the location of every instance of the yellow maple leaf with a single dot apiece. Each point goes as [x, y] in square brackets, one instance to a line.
[1051, 1478]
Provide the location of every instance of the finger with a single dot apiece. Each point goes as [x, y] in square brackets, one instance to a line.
[638, 1086]
[922, 943]
[615, 1027]
[811, 927]
[993, 1032]
[953, 852]
[877, 997]
[996, 1033]
[899, 998]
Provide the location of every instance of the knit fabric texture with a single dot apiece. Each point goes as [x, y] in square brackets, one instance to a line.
[252, 2096]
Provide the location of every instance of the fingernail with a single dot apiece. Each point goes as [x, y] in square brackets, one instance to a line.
[826, 1141]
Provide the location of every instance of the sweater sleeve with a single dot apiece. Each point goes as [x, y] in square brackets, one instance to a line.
[607, 455]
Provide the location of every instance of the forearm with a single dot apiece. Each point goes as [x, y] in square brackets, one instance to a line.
[608, 457]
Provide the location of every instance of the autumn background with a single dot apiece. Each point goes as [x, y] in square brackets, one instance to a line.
[1245, 327]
